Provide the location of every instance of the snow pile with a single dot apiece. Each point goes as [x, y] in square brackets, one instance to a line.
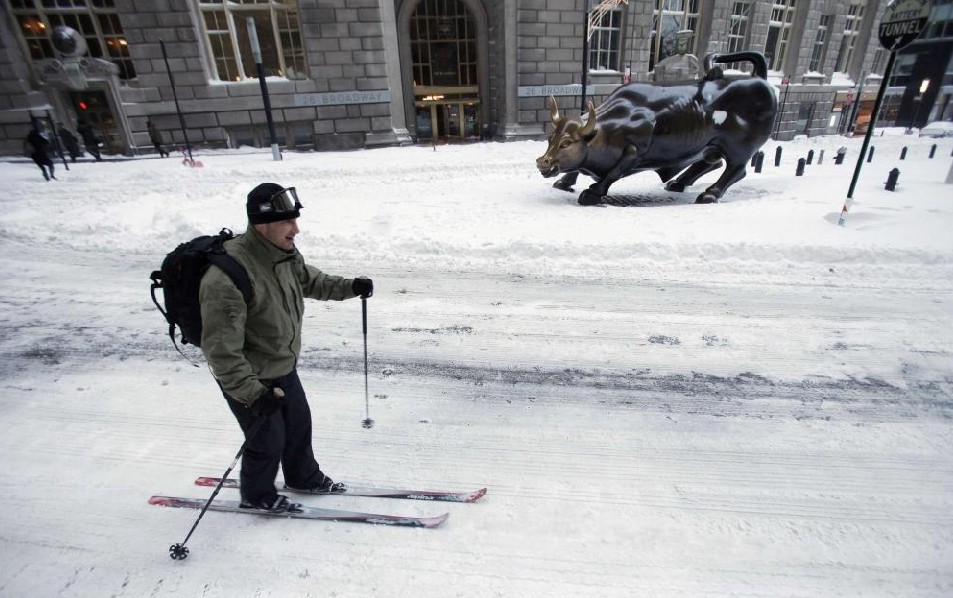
[664, 399]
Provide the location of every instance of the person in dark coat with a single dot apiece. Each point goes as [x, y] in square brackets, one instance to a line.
[40, 147]
[156, 137]
[70, 142]
[89, 139]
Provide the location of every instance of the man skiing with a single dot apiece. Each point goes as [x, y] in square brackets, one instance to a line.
[253, 348]
[39, 147]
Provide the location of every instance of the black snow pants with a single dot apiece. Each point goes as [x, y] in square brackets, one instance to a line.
[43, 160]
[283, 439]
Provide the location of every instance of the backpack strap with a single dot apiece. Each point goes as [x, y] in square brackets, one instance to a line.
[156, 277]
[234, 271]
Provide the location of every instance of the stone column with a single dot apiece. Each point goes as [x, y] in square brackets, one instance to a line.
[399, 134]
[511, 44]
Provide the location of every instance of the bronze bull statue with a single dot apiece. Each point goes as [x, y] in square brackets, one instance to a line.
[690, 129]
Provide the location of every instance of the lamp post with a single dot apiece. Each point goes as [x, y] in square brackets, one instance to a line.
[256, 52]
[178, 110]
[585, 56]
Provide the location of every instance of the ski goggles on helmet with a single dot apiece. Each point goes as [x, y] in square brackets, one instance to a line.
[281, 202]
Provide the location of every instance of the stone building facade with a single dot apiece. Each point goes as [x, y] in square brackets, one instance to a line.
[344, 74]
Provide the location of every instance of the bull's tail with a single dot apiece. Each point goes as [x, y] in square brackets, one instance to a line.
[756, 59]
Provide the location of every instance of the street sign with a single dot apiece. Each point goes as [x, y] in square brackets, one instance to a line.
[903, 21]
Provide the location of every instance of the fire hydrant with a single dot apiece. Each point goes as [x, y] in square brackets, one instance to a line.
[892, 179]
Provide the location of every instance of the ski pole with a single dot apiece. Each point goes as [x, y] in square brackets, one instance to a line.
[368, 422]
[180, 551]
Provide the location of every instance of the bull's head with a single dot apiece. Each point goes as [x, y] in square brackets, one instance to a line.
[567, 143]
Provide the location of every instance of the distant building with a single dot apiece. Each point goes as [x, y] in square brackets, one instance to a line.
[365, 73]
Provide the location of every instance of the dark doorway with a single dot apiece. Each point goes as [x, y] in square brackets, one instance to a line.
[93, 107]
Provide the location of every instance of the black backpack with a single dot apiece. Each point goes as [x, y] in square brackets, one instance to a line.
[180, 276]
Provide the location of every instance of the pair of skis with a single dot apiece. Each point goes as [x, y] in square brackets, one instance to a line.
[319, 513]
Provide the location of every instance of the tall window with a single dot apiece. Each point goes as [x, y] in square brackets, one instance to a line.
[779, 33]
[96, 20]
[902, 69]
[279, 37]
[855, 15]
[605, 45]
[738, 26]
[443, 44]
[820, 43]
[670, 17]
[879, 62]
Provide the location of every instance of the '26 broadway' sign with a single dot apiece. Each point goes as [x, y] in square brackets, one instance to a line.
[337, 98]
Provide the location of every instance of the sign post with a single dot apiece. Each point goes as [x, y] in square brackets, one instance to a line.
[902, 23]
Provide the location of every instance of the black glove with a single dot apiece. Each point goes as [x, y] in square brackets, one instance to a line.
[268, 402]
[363, 286]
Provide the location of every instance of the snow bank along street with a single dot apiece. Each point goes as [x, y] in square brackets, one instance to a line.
[664, 399]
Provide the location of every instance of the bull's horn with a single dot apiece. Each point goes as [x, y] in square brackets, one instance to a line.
[554, 110]
[590, 125]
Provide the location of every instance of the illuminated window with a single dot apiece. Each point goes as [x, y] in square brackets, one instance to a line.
[96, 20]
[279, 37]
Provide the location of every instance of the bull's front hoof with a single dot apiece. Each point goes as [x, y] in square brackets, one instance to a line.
[563, 186]
[675, 186]
[707, 198]
[588, 198]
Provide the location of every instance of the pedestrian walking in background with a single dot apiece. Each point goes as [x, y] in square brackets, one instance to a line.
[70, 142]
[156, 137]
[39, 147]
[89, 139]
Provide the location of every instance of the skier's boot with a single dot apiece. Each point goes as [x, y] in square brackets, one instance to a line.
[280, 504]
[326, 486]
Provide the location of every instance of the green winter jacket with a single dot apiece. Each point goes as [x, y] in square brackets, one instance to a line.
[262, 340]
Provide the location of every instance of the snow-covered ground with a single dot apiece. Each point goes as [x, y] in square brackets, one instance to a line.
[664, 399]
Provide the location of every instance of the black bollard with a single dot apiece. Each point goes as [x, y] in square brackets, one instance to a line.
[777, 156]
[800, 167]
[754, 159]
[892, 180]
[840, 155]
[903, 153]
[810, 157]
[870, 156]
[820, 158]
[932, 151]
[758, 161]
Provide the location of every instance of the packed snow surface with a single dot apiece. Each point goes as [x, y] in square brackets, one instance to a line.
[662, 398]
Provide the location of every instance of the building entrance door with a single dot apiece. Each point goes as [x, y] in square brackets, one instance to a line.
[447, 120]
[93, 107]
